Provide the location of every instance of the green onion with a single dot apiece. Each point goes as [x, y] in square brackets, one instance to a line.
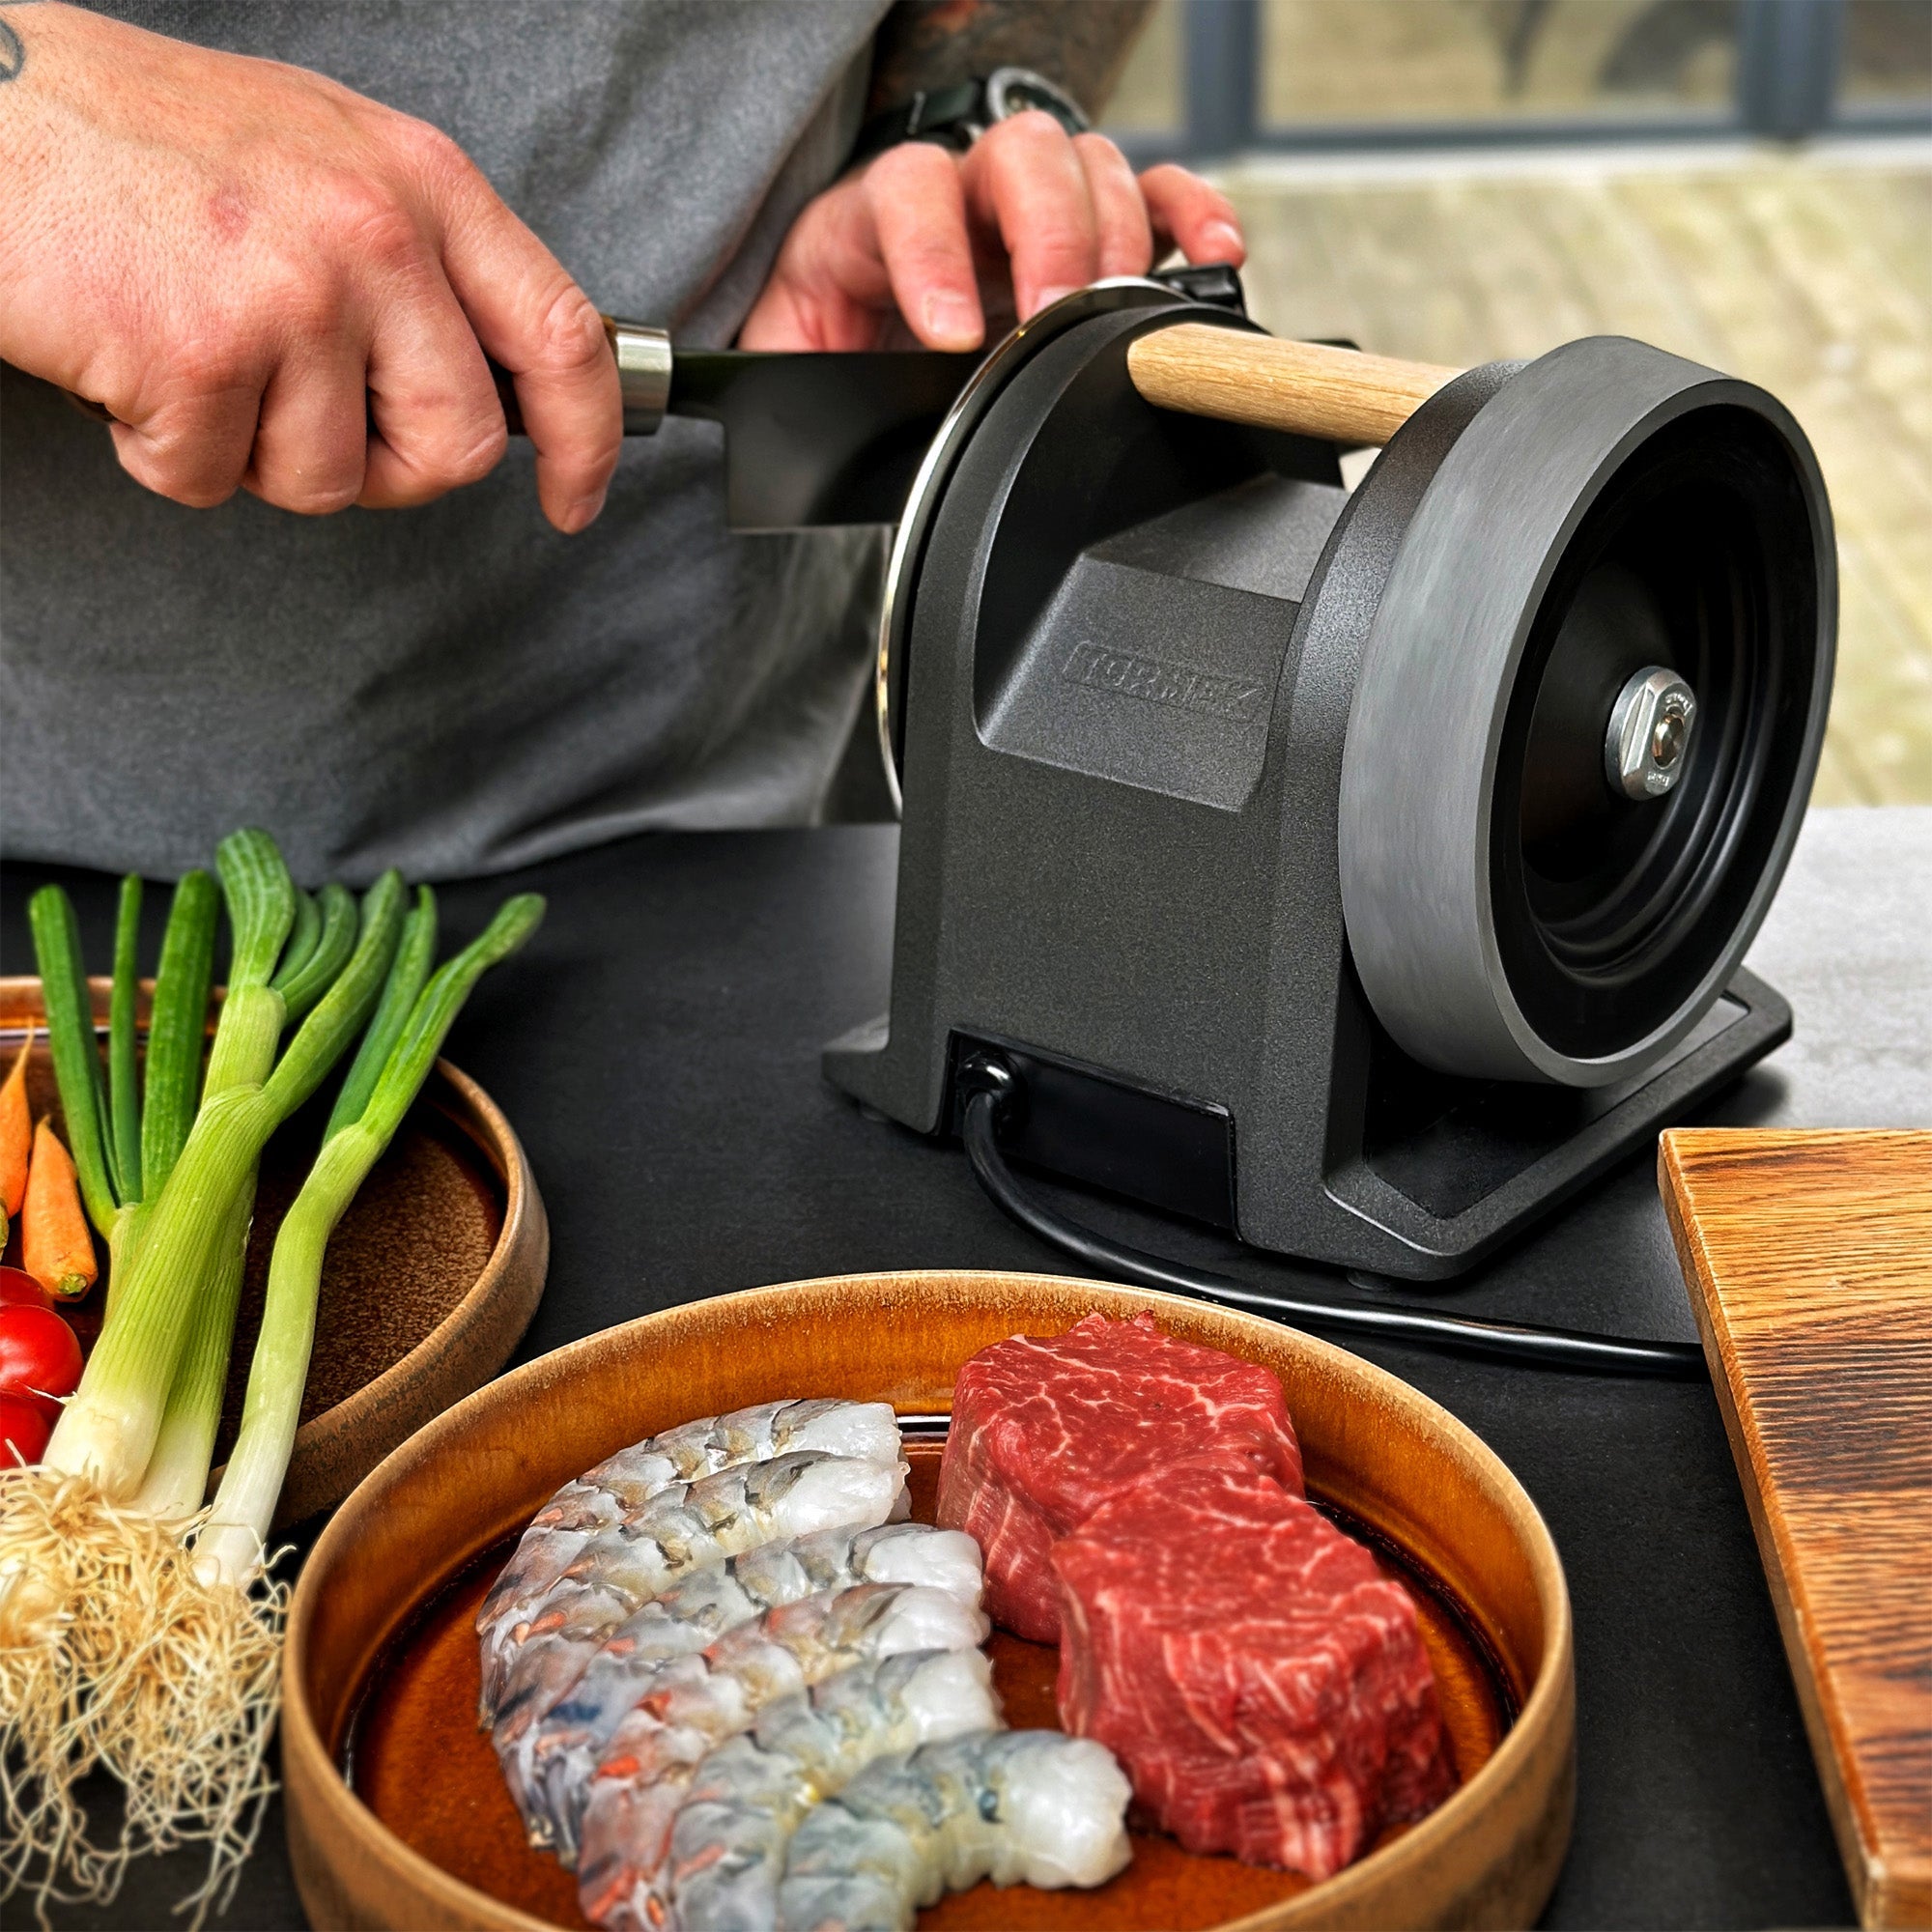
[336, 941]
[343, 1011]
[178, 1028]
[232, 1541]
[176, 1482]
[123, 1145]
[300, 949]
[107, 1430]
[414, 956]
[76, 1053]
[261, 908]
[125, 1640]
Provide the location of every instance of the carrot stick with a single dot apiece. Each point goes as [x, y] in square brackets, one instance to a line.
[17, 1134]
[55, 1245]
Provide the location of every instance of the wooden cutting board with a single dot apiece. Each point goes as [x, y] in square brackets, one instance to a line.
[1808, 1258]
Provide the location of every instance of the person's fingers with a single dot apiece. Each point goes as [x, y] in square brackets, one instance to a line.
[817, 315]
[1123, 240]
[1025, 182]
[312, 433]
[917, 205]
[192, 444]
[1189, 214]
[546, 333]
[780, 319]
[433, 410]
[542, 327]
[829, 289]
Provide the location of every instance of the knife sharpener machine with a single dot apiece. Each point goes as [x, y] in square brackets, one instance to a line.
[1359, 872]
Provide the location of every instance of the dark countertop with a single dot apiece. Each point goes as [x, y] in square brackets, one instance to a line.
[657, 1049]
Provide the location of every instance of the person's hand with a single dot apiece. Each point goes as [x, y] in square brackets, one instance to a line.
[937, 239]
[276, 284]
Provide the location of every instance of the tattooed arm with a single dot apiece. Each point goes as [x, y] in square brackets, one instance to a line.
[923, 240]
[1079, 45]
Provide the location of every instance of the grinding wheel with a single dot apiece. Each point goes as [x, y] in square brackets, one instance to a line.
[1613, 512]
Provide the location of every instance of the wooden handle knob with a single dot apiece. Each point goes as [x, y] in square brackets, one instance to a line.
[1304, 389]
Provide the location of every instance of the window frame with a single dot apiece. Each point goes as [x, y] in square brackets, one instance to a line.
[1789, 67]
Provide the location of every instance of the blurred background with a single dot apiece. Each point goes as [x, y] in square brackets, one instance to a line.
[1746, 182]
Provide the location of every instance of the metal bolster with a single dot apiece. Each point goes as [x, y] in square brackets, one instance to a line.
[643, 372]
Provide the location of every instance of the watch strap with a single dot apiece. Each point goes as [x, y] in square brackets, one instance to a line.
[947, 115]
[956, 116]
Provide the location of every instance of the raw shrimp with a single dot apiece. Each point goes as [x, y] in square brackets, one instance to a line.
[681, 1530]
[728, 1848]
[1007, 1805]
[567, 1694]
[621, 1485]
[694, 1703]
[706, 1604]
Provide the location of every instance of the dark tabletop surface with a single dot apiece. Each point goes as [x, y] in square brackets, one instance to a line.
[657, 1048]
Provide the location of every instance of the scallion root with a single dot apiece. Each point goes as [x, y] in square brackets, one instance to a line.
[115, 1655]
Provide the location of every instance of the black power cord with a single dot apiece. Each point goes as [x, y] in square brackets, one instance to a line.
[992, 1088]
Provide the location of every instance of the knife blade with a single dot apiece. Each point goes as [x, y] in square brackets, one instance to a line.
[815, 438]
[819, 437]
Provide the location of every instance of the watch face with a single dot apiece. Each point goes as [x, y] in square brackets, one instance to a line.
[1012, 90]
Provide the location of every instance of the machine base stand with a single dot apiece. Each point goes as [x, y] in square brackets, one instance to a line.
[1444, 1171]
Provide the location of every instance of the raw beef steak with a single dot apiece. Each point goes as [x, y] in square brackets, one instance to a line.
[1261, 1680]
[1046, 1428]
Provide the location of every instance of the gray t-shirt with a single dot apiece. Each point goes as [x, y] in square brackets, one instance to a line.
[457, 689]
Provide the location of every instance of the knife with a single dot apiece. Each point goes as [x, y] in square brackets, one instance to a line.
[810, 437]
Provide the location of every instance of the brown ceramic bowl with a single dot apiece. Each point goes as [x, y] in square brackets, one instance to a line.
[430, 1280]
[397, 1815]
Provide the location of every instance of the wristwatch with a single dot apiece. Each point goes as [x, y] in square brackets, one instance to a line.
[955, 117]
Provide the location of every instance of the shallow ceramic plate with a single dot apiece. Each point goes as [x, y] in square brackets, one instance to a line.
[430, 1280]
[397, 1815]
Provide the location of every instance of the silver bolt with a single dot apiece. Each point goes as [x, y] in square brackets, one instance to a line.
[1649, 734]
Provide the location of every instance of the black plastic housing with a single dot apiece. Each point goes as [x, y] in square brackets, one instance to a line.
[1133, 643]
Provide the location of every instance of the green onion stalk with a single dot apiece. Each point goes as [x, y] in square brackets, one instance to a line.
[302, 982]
[175, 1485]
[75, 1053]
[177, 1029]
[123, 1113]
[232, 1542]
[302, 941]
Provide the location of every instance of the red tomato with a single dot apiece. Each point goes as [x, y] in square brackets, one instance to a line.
[24, 1428]
[19, 1288]
[38, 1358]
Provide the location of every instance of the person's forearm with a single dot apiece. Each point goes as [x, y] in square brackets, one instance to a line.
[1079, 45]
